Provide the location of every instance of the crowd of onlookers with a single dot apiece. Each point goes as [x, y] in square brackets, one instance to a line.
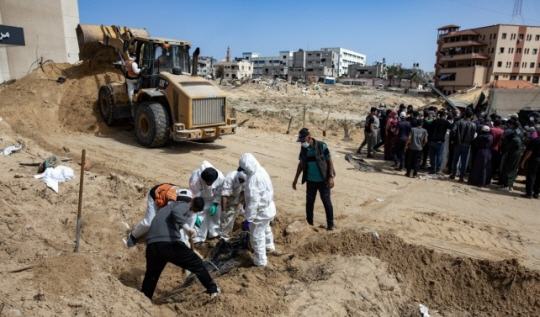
[487, 148]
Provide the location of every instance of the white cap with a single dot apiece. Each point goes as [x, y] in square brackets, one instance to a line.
[403, 115]
[184, 192]
[485, 128]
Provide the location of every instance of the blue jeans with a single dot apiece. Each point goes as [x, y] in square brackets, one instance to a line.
[461, 153]
[435, 155]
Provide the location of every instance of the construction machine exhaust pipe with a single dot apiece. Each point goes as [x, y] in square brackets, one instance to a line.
[195, 58]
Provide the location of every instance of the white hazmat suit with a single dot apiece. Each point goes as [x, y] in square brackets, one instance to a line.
[209, 224]
[233, 190]
[260, 208]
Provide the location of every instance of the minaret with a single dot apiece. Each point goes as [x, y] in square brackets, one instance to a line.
[228, 54]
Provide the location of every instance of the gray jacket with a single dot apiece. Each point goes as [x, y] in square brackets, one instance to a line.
[167, 223]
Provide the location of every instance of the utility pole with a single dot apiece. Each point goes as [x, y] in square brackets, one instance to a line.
[517, 18]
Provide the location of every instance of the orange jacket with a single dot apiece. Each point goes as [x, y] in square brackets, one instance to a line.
[165, 193]
[128, 66]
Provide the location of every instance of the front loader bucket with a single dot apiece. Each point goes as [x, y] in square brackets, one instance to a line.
[93, 39]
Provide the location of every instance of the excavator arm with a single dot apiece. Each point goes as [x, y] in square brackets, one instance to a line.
[434, 89]
[97, 39]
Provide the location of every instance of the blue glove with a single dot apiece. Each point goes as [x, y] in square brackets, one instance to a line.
[198, 222]
[213, 209]
[245, 225]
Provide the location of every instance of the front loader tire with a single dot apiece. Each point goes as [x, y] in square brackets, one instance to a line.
[152, 124]
[106, 105]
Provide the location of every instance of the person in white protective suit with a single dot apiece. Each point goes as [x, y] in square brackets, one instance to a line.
[158, 197]
[204, 182]
[259, 208]
[232, 196]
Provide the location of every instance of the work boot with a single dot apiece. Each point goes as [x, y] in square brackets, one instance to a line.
[274, 253]
[131, 241]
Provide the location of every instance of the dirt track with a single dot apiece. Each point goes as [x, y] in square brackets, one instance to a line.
[347, 272]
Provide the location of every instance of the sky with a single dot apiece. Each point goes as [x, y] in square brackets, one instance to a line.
[400, 31]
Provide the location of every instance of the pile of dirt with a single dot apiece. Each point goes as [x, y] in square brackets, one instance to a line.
[38, 104]
[441, 281]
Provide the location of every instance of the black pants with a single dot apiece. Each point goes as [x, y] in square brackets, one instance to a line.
[414, 159]
[495, 163]
[532, 184]
[158, 254]
[311, 194]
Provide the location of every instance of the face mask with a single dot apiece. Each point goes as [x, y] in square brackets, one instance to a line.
[305, 144]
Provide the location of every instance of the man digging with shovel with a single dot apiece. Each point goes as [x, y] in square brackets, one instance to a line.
[164, 245]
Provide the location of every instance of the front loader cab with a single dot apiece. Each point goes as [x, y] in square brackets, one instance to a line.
[156, 56]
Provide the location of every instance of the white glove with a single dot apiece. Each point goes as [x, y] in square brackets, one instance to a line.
[190, 231]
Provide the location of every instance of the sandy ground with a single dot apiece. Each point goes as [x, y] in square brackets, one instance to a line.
[459, 250]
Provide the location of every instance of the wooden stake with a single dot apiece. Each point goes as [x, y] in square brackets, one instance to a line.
[289, 126]
[304, 118]
[326, 123]
[79, 212]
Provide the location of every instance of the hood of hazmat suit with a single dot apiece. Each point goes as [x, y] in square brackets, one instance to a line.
[259, 192]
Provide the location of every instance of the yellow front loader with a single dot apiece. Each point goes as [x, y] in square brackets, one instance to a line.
[171, 100]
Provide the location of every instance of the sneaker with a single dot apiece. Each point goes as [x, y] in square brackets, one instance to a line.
[527, 196]
[439, 173]
[131, 241]
[216, 293]
[275, 253]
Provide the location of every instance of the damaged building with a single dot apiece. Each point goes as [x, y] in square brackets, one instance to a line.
[475, 57]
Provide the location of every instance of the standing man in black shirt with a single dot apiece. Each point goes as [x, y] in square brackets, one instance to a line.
[436, 132]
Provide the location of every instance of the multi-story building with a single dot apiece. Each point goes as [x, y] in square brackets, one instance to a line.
[345, 58]
[205, 67]
[36, 29]
[378, 70]
[269, 65]
[234, 69]
[314, 64]
[477, 56]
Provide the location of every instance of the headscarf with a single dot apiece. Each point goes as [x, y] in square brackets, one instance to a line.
[391, 118]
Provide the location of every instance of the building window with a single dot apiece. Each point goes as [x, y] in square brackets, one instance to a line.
[516, 64]
[512, 77]
[535, 79]
[535, 51]
[524, 64]
[511, 50]
[532, 65]
[518, 50]
[537, 37]
[520, 37]
[499, 64]
[528, 78]
[526, 51]
[513, 36]
[490, 64]
[504, 36]
[520, 77]
[496, 77]
[529, 37]
[508, 64]
[501, 50]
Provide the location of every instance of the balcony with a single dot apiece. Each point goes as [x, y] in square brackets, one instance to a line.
[462, 44]
[462, 57]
